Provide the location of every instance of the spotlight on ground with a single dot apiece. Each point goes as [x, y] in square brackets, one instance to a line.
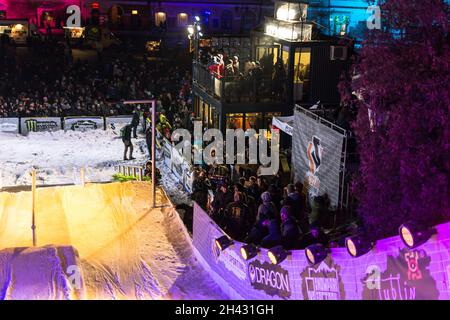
[413, 236]
[223, 242]
[249, 251]
[277, 254]
[316, 253]
[358, 245]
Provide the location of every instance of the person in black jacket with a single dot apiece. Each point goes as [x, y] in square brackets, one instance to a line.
[135, 123]
[126, 139]
[237, 218]
[221, 199]
[290, 232]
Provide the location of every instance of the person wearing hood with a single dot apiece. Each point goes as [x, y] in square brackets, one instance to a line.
[274, 237]
[293, 199]
[236, 218]
[266, 209]
[290, 232]
[221, 199]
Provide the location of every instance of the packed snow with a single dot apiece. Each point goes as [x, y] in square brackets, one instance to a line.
[58, 156]
[125, 249]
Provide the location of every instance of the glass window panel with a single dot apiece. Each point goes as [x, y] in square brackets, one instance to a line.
[235, 121]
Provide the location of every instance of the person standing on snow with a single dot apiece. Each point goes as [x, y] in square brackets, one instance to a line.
[135, 123]
[126, 139]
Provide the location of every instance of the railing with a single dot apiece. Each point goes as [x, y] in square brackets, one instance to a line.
[239, 89]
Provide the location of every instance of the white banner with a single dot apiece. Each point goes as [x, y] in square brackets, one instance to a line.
[285, 124]
[118, 122]
[10, 125]
[83, 123]
[37, 124]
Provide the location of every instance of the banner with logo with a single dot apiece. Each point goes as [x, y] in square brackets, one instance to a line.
[39, 124]
[10, 125]
[118, 122]
[84, 123]
[316, 156]
[390, 271]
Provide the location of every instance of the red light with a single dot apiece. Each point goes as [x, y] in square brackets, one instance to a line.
[95, 5]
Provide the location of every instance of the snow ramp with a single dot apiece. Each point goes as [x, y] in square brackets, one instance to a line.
[123, 248]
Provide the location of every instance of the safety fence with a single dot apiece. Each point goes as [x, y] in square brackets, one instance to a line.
[175, 162]
[390, 271]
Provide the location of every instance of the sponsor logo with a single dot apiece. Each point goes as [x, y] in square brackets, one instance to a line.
[314, 153]
[34, 125]
[270, 278]
[83, 125]
[323, 282]
[231, 261]
[8, 127]
[406, 277]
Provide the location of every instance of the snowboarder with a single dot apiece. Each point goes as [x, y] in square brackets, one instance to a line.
[126, 139]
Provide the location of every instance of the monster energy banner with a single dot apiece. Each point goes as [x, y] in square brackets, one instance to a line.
[316, 152]
[83, 123]
[39, 124]
[10, 125]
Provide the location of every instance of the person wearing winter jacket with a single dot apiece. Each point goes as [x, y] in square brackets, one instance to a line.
[236, 218]
[274, 237]
[221, 199]
[135, 123]
[266, 209]
[294, 200]
[290, 232]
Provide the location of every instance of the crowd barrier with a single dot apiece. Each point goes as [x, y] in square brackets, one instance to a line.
[25, 125]
[176, 163]
[390, 271]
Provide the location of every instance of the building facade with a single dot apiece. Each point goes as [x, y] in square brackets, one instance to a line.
[290, 61]
[172, 16]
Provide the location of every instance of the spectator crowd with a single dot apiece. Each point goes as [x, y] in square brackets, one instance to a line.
[50, 82]
[262, 210]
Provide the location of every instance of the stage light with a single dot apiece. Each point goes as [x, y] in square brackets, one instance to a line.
[357, 246]
[413, 236]
[199, 28]
[223, 242]
[190, 30]
[277, 254]
[249, 251]
[197, 18]
[316, 253]
[200, 34]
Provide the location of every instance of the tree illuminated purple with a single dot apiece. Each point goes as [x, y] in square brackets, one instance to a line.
[405, 83]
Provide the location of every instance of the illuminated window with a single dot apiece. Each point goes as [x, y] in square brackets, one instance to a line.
[160, 17]
[182, 19]
[235, 121]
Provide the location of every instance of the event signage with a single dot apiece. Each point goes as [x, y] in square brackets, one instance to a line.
[40, 124]
[10, 125]
[322, 282]
[270, 278]
[231, 261]
[390, 271]
[317, 156]
[83, 123]
[407, 277]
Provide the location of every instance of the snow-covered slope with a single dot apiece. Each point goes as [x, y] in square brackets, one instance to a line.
[126, 249]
